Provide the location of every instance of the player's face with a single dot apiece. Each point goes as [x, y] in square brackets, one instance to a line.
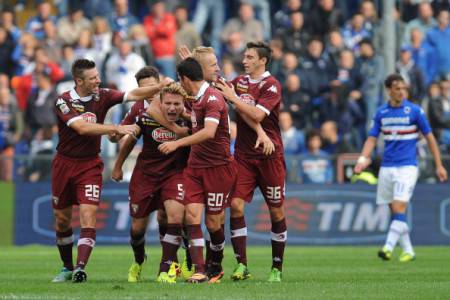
[172, 106]
[90, 81]
[398, 91]
[210, 67]
[148, 82]
[252, 63]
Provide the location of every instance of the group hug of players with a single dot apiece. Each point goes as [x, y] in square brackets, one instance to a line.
[185, 166]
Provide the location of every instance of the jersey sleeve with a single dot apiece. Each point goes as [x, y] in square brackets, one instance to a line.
[131, 116]
[213, 108]
[65, 112]
[113, 97]
[270, 97]
[422, 121]
[375, 127]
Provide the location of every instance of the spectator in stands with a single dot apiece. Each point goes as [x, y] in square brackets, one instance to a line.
[333, 142]
[186, 34]
[102, 38]
[228, 70]
[296, 102]
[121, 19]
[161, 28]
[71, 26]
[315, 68]
[424, 55]
[378, 39]
[290, 65]
[141, 44]
[39, 168]
[40, 109]
[213, 10]
[122, 66]
[6, 50]
[11, 128]
[371, 22]
[348, 74]
[439, 38]
[234, 51]
[262, 12]
[51, 44]
[35, 25]
[334, 45]
[315, 166]
[85, 46]
[354, 32]
[250, 28]
[294, 37]
[7, 22]
[424, 22]
[277, 57]
[412, 75]
[293, 138]
[439, 114]
[67, 59]
[281, 19]
[372, 72]
[23, 53]
[323, 18]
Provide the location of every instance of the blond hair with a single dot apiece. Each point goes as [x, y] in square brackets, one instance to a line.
[173, 88]
[199, 53]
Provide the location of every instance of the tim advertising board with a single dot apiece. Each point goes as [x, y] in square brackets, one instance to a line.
[316, 214]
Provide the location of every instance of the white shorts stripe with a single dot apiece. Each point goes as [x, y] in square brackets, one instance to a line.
[65, 240]
[86, 241]
[278, 237]
[239, 232]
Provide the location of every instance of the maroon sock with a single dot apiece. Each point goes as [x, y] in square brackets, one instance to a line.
[86, 243]
[278, 239]
[64, 241]
[162, 231]
[196, 247]
[207, 251]
[186, 246]
[239, 239]
[216, 246]
[137, 242]
[170, 244]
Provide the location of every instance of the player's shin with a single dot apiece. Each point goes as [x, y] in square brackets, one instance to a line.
[170, 244]
[239, 239]
[278, 240]
[196, 247]
[137, 243]
[64, 242]
[86, 243]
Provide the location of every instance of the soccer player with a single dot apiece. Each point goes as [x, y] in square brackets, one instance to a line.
[77, 168]
[257, 96]
[400, 121]
[156, 177]
[211, 170]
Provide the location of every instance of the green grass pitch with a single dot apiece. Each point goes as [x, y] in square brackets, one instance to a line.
[309, 273]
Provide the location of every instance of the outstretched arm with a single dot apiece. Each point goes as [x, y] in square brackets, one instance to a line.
[85, 128]
[147, 92]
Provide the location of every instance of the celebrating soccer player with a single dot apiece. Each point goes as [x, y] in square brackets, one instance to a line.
[400, 121]
[77, 168]
[257, 96]
[211, 170]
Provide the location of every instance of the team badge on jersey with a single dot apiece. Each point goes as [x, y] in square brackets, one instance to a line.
[62, 106]
[407, 109]
[162, 135]
[89, 117]
[248, 99]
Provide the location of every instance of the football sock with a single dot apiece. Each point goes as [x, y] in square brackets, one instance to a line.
[278, 239]
[239, 239]
[86, 243]
[216, 246]
[64, 241]
[186, 247]
[398, 226]
[137, 242]
[405, 241]
[170, 244]
[196, 247]
[162, 231]
[208, 253]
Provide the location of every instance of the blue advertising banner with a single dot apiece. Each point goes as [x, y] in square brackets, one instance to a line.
[316, 215]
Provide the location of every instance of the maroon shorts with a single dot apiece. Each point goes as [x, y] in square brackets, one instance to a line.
[268, 174]
[76, 181]
[210, 186]
[148, 193]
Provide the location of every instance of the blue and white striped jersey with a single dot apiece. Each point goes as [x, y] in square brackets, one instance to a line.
[400, 127]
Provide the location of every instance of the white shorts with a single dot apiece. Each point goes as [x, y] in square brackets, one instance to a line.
[396, 183]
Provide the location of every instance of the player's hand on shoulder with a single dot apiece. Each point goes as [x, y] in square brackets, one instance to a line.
[168, 147]
[128, 129]
[181, 131]
[227, 91]
[268, 146]
[441, 173]
[117, 175]
[184, 52]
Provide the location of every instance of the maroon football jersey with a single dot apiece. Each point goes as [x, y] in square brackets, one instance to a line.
[210, 106]
[266, 95]
[70, 107]
[151, 161]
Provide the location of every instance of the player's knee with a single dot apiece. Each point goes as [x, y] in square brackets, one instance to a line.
[213, 222]
[237, 208]
[62, 221]
[193, 216]
[276, 214]
[162, 217]
[175, 217]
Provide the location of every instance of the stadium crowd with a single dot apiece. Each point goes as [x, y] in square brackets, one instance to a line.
[327, 54]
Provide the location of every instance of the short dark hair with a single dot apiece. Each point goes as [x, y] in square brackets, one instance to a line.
[147, 72]
[312, 133]
[366, 41]
[80, 65]
[190, 68]
[263, 50]
[391, 78]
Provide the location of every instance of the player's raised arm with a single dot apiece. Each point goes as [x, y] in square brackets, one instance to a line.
[441, 172]
[147, 92]
[125, 150]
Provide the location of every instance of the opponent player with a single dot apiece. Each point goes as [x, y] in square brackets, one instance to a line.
[211, 170]
[156, 177]
[77, 168]
[400, 121]
[257, 96]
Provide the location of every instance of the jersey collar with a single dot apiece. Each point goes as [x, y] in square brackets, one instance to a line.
[264, 75]
[202, 90]
[74, 95]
